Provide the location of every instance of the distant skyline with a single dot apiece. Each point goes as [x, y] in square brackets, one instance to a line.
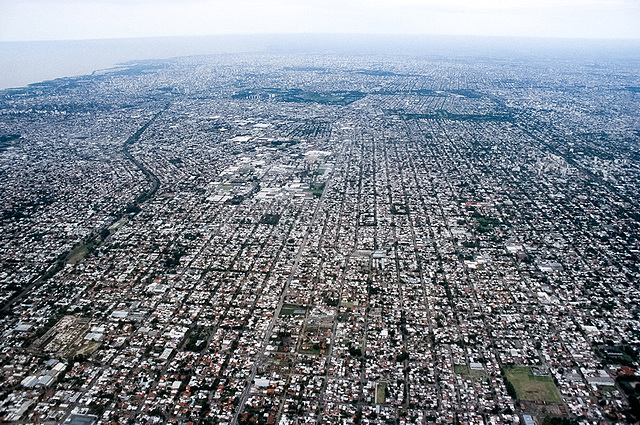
[28, 20]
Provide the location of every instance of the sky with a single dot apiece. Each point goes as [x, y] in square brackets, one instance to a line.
[27, 20]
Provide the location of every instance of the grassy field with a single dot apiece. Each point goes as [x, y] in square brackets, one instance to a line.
[477, 373]
[532, 388]
[293, 310]
[77, 254]
[118, 224]
[380, 392]
[316, 189]
[80, 251]
[608, 389]
[465, 370]
[461, 369]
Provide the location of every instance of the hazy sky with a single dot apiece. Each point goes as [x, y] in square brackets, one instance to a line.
[76, 19]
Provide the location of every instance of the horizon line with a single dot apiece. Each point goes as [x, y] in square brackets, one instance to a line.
[334, 34]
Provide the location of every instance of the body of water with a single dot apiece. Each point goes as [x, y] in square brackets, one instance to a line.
[22, 63]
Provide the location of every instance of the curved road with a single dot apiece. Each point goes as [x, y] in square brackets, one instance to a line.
[61, 261]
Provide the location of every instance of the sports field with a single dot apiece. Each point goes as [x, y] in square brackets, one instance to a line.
[532, 388]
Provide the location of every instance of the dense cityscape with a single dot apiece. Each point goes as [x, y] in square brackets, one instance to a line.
[323, 239]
